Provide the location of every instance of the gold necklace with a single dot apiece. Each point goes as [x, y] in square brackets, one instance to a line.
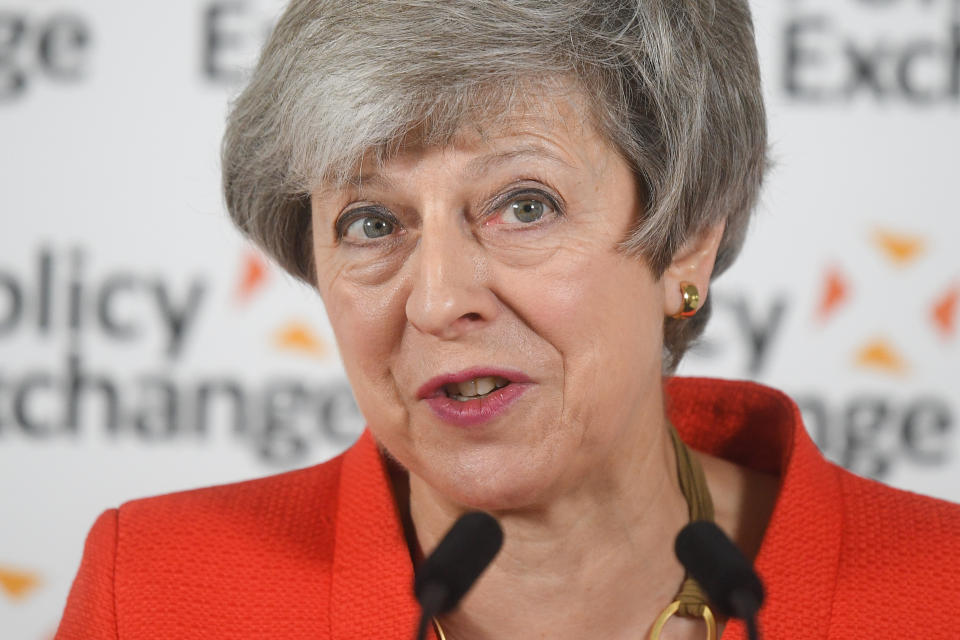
[439, 629]
[690, 601]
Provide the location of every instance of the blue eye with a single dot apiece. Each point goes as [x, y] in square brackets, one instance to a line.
[375, 227]
[528, 206]
[527, 210]
[362, 228]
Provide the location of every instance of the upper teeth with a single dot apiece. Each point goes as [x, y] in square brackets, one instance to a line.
[476, 387]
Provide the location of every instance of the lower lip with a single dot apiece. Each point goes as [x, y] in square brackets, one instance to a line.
[473, 412]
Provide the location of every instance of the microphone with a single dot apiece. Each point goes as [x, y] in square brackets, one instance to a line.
[455, 564]
[722, 570]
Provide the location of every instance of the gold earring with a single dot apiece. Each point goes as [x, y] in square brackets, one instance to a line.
[691, 300]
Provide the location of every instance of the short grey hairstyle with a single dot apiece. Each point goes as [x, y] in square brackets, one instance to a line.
[674, 85]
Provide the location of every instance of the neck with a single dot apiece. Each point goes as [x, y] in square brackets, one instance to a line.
[593, 561]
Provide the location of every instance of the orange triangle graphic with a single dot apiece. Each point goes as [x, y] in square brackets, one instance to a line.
[17, 584]
[835, 292]
[881, 356]
[297, 336]
[945, 312]
[899, 248]
[253, 273]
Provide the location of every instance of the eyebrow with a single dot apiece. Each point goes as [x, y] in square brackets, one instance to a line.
[372, 178]
[479, 166]
[475, 168]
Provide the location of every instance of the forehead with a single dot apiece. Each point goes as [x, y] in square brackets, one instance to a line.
[549, 130]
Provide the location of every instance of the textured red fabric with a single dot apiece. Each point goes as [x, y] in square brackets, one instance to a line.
[319, 552]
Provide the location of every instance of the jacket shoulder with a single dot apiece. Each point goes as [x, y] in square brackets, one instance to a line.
[248, 552]
[291, 496]
[907, 523]
[899, 558]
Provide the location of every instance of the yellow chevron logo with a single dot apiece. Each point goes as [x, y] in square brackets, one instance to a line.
[18, 584]
[881, 356]
[299, 337]
[899, 248]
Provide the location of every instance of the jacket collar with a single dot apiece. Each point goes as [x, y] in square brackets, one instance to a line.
[761, 428]
[371, 590]
[746, 423]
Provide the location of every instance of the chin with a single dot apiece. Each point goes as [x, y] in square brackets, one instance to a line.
[503, 486]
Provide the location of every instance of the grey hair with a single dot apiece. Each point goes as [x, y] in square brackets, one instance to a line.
[674, 85]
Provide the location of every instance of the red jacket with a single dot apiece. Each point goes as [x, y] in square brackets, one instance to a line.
[319, 552]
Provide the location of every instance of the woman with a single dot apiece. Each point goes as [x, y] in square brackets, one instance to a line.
[512, 212]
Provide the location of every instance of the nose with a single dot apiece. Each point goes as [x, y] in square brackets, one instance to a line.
[450, 293]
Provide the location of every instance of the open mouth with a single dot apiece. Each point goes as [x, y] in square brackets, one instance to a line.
[475, 396]
[474, 389]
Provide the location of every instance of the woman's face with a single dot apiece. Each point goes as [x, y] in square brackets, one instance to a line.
[498, 344]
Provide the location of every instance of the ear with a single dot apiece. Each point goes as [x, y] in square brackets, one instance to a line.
[693, 263]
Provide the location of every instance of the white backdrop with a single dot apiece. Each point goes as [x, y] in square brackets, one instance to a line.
[146, 348]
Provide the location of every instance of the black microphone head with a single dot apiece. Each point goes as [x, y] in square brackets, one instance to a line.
[458, 560]
[712, 559]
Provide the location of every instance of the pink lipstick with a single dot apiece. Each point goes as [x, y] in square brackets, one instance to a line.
[461, 398]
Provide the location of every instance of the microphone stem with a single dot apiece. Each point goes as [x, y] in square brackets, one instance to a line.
[422, 628]
[431, 601]
[753, 633]
[745, 607]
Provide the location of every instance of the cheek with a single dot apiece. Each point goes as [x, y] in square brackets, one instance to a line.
[367, 323]
[602, 313]
[593, 299]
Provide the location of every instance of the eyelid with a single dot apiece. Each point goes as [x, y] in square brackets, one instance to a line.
[554, 201]
[351, 215]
